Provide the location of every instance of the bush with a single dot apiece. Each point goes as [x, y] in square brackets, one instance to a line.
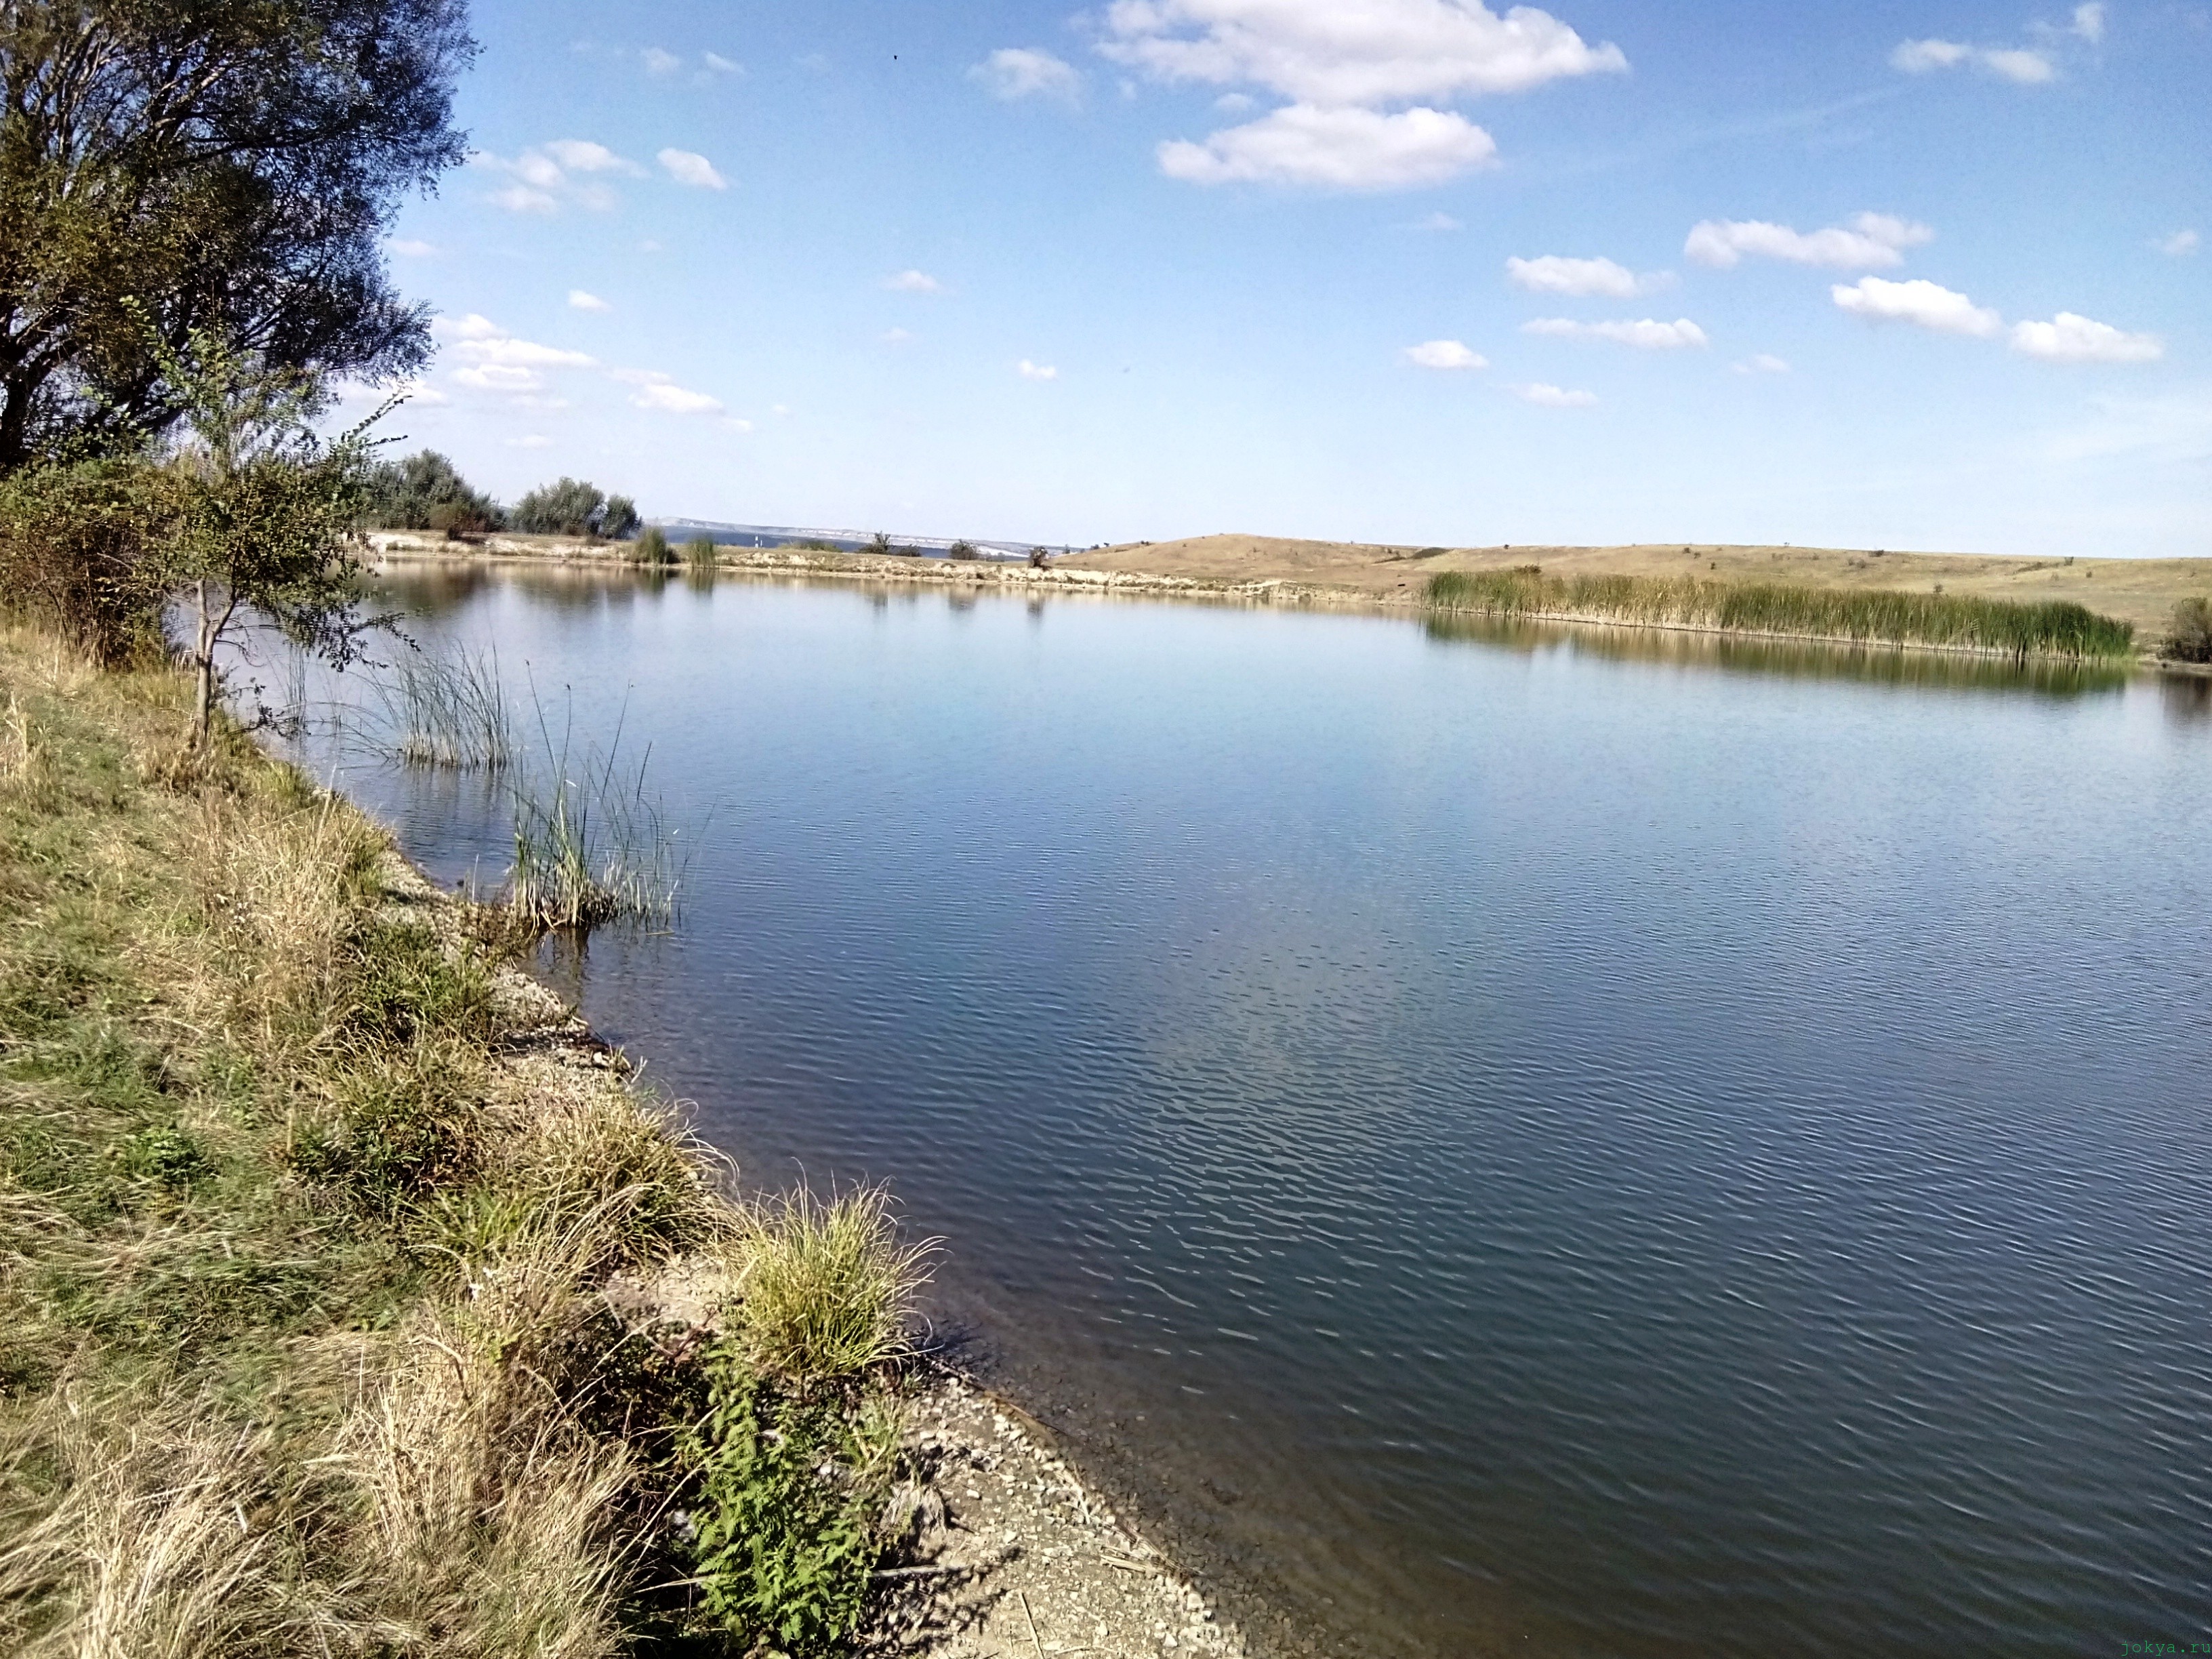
[569, 507]
[2191, 638]
[700, 554]
[619, 518]
[425, 492]
[78, 548]
[788, 1491]
[651, 547]
[962, 550]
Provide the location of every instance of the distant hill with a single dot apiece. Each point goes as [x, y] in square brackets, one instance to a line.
[775, 535]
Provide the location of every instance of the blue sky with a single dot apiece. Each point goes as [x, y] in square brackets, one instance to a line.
[1927, 275]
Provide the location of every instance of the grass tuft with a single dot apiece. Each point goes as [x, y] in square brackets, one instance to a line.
[1886, 617]
[827, 1284]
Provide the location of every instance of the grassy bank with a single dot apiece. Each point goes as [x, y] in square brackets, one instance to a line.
[310, 1213]
[1950, 621]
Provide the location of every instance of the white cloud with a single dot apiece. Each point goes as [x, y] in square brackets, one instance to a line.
[556, 174]
[407, 249]
[580, 300]
[736, 424]
[1342, 53]
[895, 337]
[1436, 221]
[582, 156]
[674, 399]
[1875, 239]
[1444, 354]
[689, 167]
[1236, 103]
[657, 62]
[1918, 301]
[1647, 334]
[1552, 396]
[1552, 273]
[2072, 339]
[1013, 72]
[530, 440]
[1335, 149]
[2181, 242]
[1919, 57]
[914, 281]
[498, 377]
[722, 65]
[1030, 371]
[2089, 22]
[2019, 64]
[492, 360]
[1764, 362]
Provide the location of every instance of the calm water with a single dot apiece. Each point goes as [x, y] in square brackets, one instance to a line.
[1574, 1147]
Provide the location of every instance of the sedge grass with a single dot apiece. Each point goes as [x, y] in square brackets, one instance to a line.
[448, 712]
[591, 846]
[828, 1285]
[1950, 621]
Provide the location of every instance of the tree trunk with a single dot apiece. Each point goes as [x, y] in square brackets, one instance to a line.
[203, 675]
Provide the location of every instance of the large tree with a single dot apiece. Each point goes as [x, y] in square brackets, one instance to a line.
[226, 166]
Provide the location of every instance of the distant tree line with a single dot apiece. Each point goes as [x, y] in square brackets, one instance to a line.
[426, 491]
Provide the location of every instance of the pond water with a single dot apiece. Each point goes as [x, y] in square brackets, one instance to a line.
[1599, 1145]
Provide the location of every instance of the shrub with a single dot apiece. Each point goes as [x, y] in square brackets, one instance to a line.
[651, 547]
[569, 507]
[700, 554]
[423, 491]
[77, 553]
[962, 550]
[2191, 638]
[788, 1490]
[619, 518]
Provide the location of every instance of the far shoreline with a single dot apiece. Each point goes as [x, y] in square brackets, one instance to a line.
[1276, 580]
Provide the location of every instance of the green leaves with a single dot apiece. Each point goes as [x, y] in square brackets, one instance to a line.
[788, 1490]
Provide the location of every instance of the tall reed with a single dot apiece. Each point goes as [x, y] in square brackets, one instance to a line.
[448, 712]
[590, 846]
[1886, 617]
[700, 555]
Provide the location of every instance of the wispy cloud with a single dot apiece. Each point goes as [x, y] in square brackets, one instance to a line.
[562, 172]
[492, 360]
[1763, 363]
[658, 62]
[1444, 354]
[2181, 242]
[689, 167]
[1030, 371]
[1874, 240]
[912, 282]
[1547, 396]
[1553, 273]
[580, 300]
[1647, 334]
[1335, 148]
[656, 390]
[1016, 72]
[407, 248]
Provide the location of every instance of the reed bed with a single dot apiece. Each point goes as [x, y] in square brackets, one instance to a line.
[591, 846]
[700, 556]
[1950, 621]
[448, 712]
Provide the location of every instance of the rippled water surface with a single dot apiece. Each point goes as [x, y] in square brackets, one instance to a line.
[1601, 1146]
